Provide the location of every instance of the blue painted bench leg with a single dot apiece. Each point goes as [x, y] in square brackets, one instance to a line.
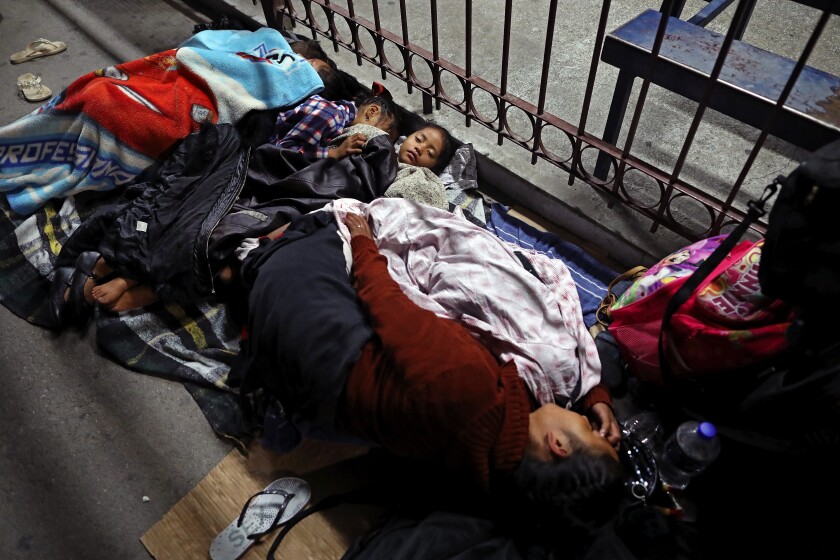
[618, 106]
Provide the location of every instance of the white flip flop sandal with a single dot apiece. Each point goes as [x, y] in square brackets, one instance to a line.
[33, 90]
[263, 512]
[37, 49]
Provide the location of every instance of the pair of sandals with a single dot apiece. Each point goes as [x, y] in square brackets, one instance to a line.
[29, 84]
[68, 305]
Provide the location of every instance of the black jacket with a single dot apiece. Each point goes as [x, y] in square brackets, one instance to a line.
[281, 185]
[175, 230]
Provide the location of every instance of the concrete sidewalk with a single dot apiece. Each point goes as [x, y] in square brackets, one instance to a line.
[83, 440]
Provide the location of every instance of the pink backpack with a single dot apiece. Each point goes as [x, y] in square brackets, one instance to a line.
[725, 324]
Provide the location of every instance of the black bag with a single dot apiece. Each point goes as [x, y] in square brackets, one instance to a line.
[800, 261]
[798, 397]
[791, 404]
[779, 422]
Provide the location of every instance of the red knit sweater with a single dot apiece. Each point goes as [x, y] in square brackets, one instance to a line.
[424, 387]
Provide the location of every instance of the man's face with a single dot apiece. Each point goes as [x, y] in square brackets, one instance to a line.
[554, 429]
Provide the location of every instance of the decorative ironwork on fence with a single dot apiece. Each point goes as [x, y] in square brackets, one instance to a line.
[457, 86]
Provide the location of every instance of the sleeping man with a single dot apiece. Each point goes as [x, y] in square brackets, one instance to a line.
[356, 356]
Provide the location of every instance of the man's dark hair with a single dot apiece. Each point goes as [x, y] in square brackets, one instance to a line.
[335, 87]
[573, 497]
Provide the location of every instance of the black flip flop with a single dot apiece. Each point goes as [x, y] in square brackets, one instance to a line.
[59, 310]
[82, 310]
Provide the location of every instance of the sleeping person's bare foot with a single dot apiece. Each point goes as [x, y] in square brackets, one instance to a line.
[109, 293]
[100, 270]
[138, 296]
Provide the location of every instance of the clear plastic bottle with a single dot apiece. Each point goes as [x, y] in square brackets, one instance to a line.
[687, 453]
[647, 428]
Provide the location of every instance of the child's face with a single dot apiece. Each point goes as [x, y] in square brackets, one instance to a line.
[422, 148]
[372, 114]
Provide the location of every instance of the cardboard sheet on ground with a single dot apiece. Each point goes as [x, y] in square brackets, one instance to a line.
[187, 529]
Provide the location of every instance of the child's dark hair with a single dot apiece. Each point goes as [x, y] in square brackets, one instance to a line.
[448, 149]
[335, 88]
[309, 48]
[386, 105]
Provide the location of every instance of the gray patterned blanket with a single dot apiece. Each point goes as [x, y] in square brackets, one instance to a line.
[194, 344]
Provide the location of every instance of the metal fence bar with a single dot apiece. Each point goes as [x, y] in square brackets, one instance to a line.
[468, 8]
[640, 104]
[435, 53]
[794, 75]
[406, 59]
[590, 86]
[380, 49]
[354, 32]
[546, 65]
[271, 12]
[621, 158]
[735, 25]
[332, 34]
[504, 77]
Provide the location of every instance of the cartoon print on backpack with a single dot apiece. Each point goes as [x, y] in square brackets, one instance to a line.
[726, 324]
[677, 265]
[735, 295]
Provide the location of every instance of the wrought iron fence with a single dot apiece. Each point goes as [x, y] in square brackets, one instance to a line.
[457, 85]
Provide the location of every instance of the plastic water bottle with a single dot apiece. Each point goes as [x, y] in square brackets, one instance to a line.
[687, 453]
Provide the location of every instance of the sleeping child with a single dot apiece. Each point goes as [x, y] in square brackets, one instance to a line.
[311, 127]
[93, 281]
[307, 128]
[422, 156]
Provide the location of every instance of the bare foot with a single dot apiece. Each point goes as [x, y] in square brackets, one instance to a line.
[138, 296]
[108, 293]
[100, 269]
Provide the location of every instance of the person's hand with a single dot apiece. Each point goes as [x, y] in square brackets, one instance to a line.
[605, 422]
[357, 225]
[353, 144]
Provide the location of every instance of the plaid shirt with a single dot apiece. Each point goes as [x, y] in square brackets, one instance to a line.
[308, 127]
